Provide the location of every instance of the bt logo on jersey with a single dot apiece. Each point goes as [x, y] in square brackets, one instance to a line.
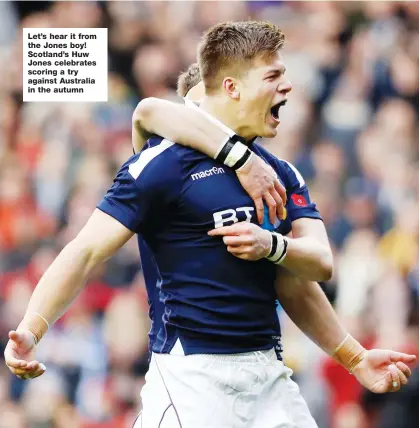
[230, 216]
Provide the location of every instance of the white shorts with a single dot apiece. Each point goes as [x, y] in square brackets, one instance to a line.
[251, 390]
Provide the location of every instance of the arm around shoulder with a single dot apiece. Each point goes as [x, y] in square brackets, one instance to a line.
[178, 123]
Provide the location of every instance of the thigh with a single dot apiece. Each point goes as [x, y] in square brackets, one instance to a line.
[299, 410]
[280, 403]
[186, 392]
[157, 408]
[167, 419]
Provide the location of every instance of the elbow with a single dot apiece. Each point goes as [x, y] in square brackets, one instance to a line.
[144, 110]
[326, 267]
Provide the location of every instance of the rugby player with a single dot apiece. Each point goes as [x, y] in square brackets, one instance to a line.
[213, 362]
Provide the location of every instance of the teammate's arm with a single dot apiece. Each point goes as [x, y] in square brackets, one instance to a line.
[307, 306]
[175, 122]
[60, 285]
[306, 254]
[189, 127]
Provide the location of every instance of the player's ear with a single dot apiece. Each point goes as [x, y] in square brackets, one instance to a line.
[230, 85]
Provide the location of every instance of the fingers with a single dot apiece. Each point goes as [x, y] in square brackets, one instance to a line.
[271, 205]
[279, 204]
[234, 229]
[17, 337]
[235, 250]
[38, 373]
[238, 240]
[30, 368]
[222, 231]
[259, 206]
[239, 253]
[31, 376]
[403, 377]
[404, 368]
[399, 356]
[395, 378]
[34, 370]
[15, 363]
[389, 383]
[281, 191]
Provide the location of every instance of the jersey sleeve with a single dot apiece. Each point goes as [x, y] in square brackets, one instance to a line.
[299, 204]
[147, 182]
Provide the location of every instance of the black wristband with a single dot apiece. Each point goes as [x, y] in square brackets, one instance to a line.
[223, 154]
[242, 160]
[234, 153]
[284, 251]
[273, 245]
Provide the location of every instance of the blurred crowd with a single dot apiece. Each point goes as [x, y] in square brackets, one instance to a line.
[350, 127]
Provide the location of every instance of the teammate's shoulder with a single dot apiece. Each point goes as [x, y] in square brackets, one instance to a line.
[285, 169]
[293, 174]
[261, 151]
[156, 157]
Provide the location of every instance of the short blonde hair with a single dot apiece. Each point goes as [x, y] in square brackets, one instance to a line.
[230, 47]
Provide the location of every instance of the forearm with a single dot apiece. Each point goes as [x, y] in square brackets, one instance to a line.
[58, 287]
[177, 123]
[308, 307]
[308, 259]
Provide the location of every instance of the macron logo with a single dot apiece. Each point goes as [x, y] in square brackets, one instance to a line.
[208, 173]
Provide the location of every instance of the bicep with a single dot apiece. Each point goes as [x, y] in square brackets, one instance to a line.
[103, 236]
[154, 116]
[310, 227]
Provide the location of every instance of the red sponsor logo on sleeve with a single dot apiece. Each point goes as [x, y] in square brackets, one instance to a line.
[299, 200]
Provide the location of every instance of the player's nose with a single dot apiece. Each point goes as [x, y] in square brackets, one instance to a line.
[285, 87]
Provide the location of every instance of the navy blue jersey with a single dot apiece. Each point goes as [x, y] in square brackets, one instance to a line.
[171, 196]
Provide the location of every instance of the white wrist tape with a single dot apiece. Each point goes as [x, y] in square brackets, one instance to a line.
[278, 248]
[237, 152]
[233, 153]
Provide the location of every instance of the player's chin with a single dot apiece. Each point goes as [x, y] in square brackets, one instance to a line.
[269, 131]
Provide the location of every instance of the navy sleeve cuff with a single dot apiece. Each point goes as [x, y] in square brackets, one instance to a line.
[115, 211]
[304, 213]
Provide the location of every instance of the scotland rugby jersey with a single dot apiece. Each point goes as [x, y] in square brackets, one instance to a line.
[213, 302]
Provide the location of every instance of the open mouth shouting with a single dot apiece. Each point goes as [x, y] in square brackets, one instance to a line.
[275, 110]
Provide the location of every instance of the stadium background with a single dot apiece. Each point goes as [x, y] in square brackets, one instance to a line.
[351, 128]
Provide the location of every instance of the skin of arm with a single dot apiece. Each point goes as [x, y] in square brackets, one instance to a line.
[181, 124]
[308, 307]
[67, 275]
[309, 253]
